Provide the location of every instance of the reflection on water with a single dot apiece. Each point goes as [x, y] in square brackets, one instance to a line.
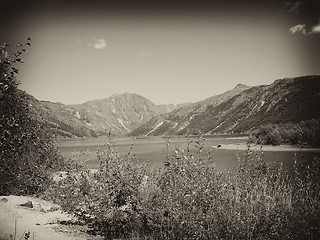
[152, 150]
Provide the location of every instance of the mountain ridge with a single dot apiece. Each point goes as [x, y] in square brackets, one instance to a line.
[118, 114]
[285, 100]
[239, 110]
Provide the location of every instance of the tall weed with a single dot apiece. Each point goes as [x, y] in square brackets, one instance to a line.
[190, 199]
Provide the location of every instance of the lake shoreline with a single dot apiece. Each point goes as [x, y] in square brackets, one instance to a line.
[153, 150]
[268, 148]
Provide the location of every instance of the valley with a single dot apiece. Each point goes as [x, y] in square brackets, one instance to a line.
[118, 114]
[284, 112]
[160, 120]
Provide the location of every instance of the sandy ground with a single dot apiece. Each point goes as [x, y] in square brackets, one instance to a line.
[41, 220]
[280, 148]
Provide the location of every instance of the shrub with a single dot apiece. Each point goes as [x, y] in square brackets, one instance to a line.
[27, 152]
[303, 133]
[190, 199]
[106, 199]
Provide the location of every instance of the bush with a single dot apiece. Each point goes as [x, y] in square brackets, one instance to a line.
[191, 199]
[27, 152]
[106, 199]
[304, 133]
[269, 135]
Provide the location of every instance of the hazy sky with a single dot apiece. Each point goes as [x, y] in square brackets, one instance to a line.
[167, 51]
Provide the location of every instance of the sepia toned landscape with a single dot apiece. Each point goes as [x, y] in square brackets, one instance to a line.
[160, 120]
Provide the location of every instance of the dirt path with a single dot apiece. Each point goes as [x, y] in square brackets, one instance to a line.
[41, 220]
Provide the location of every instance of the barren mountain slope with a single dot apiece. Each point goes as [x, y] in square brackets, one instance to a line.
[285, 100]
[118, 114]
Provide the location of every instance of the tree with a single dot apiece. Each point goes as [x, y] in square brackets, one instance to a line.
[28, 154]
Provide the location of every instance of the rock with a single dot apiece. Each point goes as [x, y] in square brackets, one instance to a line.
[27, 235]
[43, 210]
[53, 208]
[27, 204]
[219, 146]
[4, 200]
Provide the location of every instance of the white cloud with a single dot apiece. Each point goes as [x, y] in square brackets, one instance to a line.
[301, 28]
[293, 6]
[99, 43]
[298, 28]
[316, 28]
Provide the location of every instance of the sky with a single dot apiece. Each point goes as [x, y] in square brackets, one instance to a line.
[174, 51]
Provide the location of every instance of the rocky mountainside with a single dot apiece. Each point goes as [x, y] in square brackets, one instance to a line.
[119, 114]
[242, 109]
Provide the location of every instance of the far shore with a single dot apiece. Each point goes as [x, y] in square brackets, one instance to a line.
[269, 148]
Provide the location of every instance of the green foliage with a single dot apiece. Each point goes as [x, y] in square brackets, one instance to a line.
[27, 152]
[190, 199]
[305, 133]
[106, 199]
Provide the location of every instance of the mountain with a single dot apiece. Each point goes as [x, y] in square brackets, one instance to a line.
[175, 121]
[119, 114]
[242, 109]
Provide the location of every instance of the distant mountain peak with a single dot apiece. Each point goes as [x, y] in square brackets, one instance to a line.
[119, 114]
[240, 86]
[291, 100]
[121, 94]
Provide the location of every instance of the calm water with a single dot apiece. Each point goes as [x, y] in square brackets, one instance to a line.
[153, 150]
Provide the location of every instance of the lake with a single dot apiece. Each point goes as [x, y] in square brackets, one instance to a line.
[152, 150]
